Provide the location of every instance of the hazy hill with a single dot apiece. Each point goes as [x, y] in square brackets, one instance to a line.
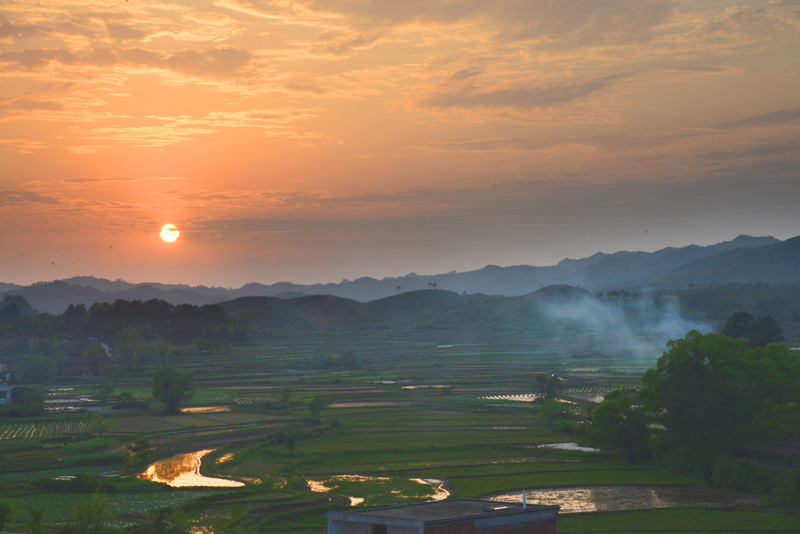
[775, 263]
[637, 269]
[744, 259]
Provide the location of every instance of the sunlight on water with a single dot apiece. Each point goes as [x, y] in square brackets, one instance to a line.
[439, 492]
[568, 447]
[183, 470]
[206, 409]
[618, 498]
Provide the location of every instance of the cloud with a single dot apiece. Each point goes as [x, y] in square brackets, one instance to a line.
[10, 198]
[219, 61]
[222, 61]
[23, 145]
[464, 74]
[566, 22]
[125, 32]
[766, 119]
[95, 181]
[757, 151]
[158, 131]
[480, 145]
[26, 104]
[8, 29]
[524, 97]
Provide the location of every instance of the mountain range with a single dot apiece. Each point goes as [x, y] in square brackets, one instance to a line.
[745, 259]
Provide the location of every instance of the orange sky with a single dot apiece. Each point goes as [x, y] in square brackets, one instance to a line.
[315, 140]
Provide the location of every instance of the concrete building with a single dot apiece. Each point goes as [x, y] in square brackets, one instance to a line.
[452, 516]
[5, 392]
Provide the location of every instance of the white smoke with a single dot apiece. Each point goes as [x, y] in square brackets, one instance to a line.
[640, 323]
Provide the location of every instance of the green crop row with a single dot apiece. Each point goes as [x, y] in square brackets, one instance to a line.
[43, 429]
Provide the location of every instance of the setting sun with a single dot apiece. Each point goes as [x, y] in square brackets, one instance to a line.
[169, 233]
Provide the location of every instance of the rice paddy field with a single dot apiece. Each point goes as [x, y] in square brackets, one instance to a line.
[426, 416]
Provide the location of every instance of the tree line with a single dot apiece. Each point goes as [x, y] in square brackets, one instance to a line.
[711, 406]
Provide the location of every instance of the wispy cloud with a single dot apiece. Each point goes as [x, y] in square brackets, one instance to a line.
[524, 97]
[97, 181]
[771, 118]
[218, 61]
[9, 198]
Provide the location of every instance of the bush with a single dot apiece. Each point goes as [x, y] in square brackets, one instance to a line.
[744, 475]
[82, 483]
[89, 445]
[5, 512]
[108, 458]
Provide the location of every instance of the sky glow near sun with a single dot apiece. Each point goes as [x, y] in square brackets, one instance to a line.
[311, 140]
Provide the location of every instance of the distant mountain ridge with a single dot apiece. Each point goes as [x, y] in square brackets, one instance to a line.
[743, 259]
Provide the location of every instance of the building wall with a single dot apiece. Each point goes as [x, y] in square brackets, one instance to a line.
[5, 394]
[348, 527]
[545, 526]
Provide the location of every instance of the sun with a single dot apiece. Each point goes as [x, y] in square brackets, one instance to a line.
[169, 233]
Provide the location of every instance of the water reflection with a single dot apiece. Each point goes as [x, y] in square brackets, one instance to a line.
[183, 470]
[206, 409]
[618, 498]
[439, 491]
[568, 447]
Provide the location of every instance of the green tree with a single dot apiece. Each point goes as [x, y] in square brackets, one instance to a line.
[98, 425]
[172, 387]
[759, 331]
[142, 451]
[621, 427]
[286, 394]
[694, 390]
[738, 324]
[36, 523]
[291, 441]
[5, 512]
[715, 394]
[351, 359]
[102, 392]
[36, 369]
[91, 515]
[764, 331]
[128, 345]
[162, 349]
[74, 318]
[29, 404]
[547, 386]
[316, 406]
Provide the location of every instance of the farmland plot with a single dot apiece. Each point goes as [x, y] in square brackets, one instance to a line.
[41, 429]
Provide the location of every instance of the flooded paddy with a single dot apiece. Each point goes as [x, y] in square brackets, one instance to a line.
[568, 447]
[435, 487]
[206, 409]
[620, 498]
[524, 397]
[183, 470]
[373, 404]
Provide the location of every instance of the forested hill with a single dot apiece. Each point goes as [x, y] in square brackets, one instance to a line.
[743, 260]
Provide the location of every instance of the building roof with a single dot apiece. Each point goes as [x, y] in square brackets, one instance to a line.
[446, 510]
